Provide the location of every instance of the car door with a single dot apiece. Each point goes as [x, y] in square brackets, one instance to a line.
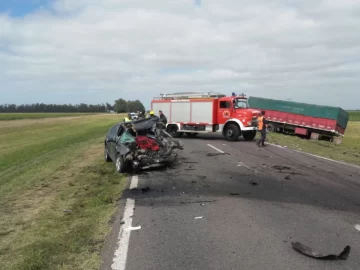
[224, 112]
[111, 141]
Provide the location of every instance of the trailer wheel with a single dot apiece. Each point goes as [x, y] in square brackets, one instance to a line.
[232, 132]
[271, 127]
[249, 135]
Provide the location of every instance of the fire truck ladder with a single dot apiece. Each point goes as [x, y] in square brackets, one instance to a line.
[186, 95]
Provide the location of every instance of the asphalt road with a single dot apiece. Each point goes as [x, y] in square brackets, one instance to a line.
[252, 202]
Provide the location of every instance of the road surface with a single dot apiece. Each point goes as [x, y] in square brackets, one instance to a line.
[231, 205]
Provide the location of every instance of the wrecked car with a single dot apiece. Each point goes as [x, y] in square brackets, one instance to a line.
[140, 145]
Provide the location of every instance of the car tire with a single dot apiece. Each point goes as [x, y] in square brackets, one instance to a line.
[173, 131]
[232, 132]
[120, 164]
[106, 154]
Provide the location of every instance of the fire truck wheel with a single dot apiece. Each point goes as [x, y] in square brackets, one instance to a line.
[249, 135]
[191, 135]
[232, 132]
[172, 130]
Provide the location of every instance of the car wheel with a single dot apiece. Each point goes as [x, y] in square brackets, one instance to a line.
[232, 132]
[120, 164]
[106, 154]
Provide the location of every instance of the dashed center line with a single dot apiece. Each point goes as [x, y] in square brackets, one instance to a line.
[120, 256]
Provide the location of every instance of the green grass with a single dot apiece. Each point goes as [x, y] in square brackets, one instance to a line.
[48, 166]
[348, 151]
[354, 115]
[18, 116]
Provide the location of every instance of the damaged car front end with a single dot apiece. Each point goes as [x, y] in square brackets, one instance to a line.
[140, 145]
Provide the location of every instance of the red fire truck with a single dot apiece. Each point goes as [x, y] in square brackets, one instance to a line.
[194, 113]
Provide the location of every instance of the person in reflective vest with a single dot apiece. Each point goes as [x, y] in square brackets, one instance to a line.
[262, 129]
[127, 118]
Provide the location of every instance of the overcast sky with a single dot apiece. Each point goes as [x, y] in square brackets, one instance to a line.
[94, 51]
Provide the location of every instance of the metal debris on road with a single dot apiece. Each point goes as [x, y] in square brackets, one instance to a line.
[133, 228]
[288, 177]
[307, 251]
[146, 189]
[253, 183]
[198, 217]
[281, 168]
[214, 154]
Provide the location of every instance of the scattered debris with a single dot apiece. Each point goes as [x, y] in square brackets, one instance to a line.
[193, 181]
[133, 228]
[357, 227]
[307, 251]
[67, 211]
[288, 177]
[214, 154]
[253, 183]
[202, 204]
[234, 194]
[147, 189]
[198, 217]
[281, 168]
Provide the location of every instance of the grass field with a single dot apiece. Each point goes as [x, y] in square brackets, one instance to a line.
[354, 116]
[57, 194]
[348, 151]
[17, 116]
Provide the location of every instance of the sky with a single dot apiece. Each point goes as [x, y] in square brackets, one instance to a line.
[96, 51]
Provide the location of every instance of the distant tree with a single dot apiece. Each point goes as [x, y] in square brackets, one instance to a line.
[134, 106]
[120, 105]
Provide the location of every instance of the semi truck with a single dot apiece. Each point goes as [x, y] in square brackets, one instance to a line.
[308, 120]
[192, 113]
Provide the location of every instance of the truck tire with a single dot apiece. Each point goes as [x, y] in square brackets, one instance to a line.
[173, 131]
[232, 132]
[249, 135]
[120, 164]
[271, 127]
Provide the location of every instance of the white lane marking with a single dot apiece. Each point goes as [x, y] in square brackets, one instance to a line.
[134, 182]
[213, 147]
[198, 217]
[328, 159]
[120, 255]
[357, 227]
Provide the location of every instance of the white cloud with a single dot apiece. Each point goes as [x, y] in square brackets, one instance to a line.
[95, 51]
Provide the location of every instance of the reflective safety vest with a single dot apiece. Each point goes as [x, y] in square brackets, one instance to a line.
[260, 122]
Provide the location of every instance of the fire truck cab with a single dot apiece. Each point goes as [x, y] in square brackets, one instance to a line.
[193, 113]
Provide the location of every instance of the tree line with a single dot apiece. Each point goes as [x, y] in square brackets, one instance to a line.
[118, 106]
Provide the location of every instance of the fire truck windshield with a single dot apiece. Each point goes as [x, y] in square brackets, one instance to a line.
[240, 103]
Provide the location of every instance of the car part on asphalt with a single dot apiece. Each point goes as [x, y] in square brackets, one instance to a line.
[307, 251]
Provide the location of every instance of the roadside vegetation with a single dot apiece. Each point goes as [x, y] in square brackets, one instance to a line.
[57, 195]
[354, 115]
[348, 151]
[20, 116]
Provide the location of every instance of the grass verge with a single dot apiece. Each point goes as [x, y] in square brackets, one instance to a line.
[348, 151]
[57, 195]
[18, 116]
